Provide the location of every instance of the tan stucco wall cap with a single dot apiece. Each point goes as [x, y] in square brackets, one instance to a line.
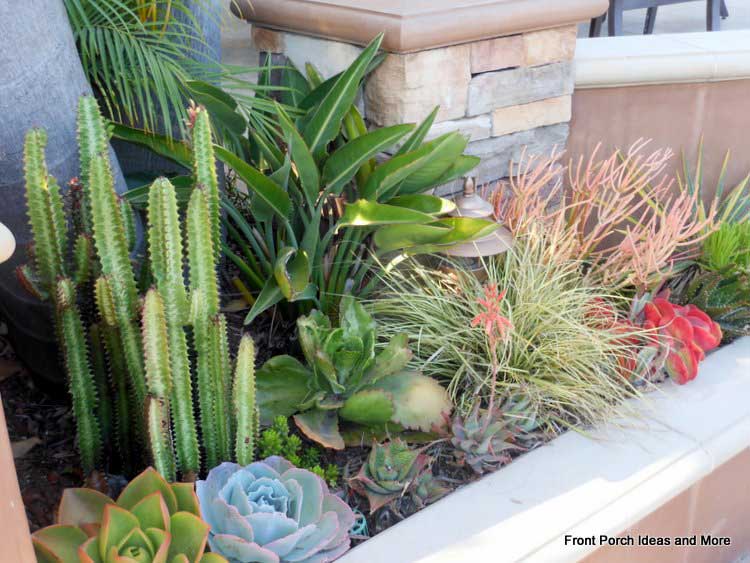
[415, 25]
[610, 62]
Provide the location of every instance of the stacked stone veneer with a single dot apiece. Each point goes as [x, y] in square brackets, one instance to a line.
[504, 94]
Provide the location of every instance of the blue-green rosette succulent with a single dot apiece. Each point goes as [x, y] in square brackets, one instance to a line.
[273, 512]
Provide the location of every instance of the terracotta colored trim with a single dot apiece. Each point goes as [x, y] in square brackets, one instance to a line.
[14, 531]
[415, 25]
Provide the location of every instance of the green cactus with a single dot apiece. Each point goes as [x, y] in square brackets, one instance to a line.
[167, 262]
[101, 377]
[204, 169]
[159, 384]
[83, 256]
[92, 141]
[111, 245]
[80, 378]
[45, 212]
[123, 417]
[243, 400]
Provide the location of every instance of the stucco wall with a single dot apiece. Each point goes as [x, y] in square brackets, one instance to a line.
[673, 115]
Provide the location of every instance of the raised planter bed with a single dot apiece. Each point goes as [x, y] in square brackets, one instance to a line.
[605, 483]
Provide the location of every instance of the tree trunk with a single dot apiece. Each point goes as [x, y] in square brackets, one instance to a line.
[41, 81]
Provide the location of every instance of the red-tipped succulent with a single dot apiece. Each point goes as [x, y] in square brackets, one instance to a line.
[683, 335]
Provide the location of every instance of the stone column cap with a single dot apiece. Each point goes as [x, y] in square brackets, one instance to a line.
[415, 25]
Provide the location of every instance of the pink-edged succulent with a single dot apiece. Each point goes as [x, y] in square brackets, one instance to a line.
[151, 522]
[682, 336]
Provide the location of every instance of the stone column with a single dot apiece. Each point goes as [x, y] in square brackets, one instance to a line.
[504, 82]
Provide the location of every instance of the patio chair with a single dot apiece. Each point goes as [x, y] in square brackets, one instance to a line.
[715, 11]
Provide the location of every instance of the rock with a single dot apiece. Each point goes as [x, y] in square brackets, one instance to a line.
[406, 88]
[550, 45]
[329, 57]
[536, 114]
[504, 88]
[496, 54]
[497, 152]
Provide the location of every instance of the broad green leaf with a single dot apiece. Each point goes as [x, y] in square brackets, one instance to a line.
[439, 234]
[365, 212]
[296, 86]
[276, 198]
[393, 358]
[176, 151]
[419, 402]
[222, 115]
[343, 164]
[394, 171]
[269, 296]
[416, 138]
[282, 384]
[445, 152]
[372, 406]
[321, 88]
[463, 165]
[306, 167]
[268, 149]
[325, 119]
[292, 271]
[201, 87]
[430, 204]
[396, 237]
[321, 426]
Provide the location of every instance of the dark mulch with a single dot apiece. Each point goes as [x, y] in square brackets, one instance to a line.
[52, 465]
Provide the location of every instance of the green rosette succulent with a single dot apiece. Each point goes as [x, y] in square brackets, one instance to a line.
[482, 441]
[273, 512]
[394, 470]
[345, 378]
[152, 521]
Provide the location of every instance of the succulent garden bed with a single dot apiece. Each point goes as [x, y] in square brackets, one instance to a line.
[295, 344]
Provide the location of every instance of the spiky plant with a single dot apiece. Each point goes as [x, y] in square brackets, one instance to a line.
[81, 380]
[243, 401]
[167, 265]
[723, 296]
[145, 354]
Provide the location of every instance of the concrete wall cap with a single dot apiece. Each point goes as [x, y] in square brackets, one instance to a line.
[415, 25]
[609, 62]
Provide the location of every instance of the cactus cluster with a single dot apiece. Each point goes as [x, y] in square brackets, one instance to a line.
[138, 348]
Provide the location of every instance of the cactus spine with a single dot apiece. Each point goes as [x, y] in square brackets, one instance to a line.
[204, 169]
[167, 262]
[243, 399]
[80, 378]
[111, 246]
[159, 384]
[45, 210]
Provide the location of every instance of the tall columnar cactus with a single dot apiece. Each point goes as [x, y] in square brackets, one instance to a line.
[45, 212]
[243, 401]
[112, 248]
[209, 345]
[167, 261]
[159, 384]
[81, 380]
[92, 142]
[204, 169]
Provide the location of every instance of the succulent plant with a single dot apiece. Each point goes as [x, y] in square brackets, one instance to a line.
[273, 512]
[151, 522]
[681, 337]
[393, 470]
[723, 296]
[346, 378]
[482, 440]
